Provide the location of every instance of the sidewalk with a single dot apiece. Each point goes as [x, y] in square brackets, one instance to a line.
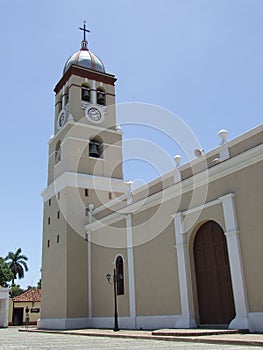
[182, 335]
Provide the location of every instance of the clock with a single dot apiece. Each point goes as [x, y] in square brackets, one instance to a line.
[94, 114]
[61, 119]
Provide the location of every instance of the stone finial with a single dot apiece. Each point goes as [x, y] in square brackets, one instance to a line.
[129, 192]
[177, 172]
[90, 212]
[223, 135]
[177, 159]
[224, 151]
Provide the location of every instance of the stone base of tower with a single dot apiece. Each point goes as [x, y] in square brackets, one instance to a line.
[139, 322]
[63, 323]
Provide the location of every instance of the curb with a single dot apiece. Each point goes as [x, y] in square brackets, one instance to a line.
[190, 339]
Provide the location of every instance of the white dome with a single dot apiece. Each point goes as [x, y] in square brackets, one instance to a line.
[85, 58]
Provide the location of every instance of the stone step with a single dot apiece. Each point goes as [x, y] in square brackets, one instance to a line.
[197, 332]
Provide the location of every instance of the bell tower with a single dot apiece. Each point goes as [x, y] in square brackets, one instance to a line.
[84, 172]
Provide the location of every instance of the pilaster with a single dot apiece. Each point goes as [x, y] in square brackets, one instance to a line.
[186, 320]
[93, 92]
[241, 321]
[88, 234]
[131, 268]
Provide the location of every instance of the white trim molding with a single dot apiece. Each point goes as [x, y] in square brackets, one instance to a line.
[88, 236]
[241, 321]
[75, 180]
[93, 92]
[186, 320]
[223, 169]
[131, 277]
[116, 257]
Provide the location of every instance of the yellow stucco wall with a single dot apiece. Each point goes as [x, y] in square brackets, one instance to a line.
[33, 316]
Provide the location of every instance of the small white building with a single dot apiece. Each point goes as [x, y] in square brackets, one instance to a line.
[4, 303]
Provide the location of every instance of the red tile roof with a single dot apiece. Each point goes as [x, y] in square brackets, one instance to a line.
[30, 295]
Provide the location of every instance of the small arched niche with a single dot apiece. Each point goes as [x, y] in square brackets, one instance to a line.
[101, 97]
[119, 275]
[96, 147]
[58, 152]
[85, 93]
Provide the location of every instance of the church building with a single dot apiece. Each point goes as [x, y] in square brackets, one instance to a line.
[182, 251]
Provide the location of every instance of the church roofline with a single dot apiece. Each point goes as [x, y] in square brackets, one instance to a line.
[249, 151]
[84, 73]
[105, 215]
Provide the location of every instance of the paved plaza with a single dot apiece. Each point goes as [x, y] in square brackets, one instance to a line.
[11, 338]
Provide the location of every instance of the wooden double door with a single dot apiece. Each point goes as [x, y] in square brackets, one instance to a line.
[213, 280]
[18, 313]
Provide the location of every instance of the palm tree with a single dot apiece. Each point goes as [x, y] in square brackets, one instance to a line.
[17, 264]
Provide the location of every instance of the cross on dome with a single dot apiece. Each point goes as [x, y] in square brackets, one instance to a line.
[84, 43]
[84, 57]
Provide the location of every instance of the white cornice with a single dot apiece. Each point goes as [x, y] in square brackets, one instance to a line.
[105, 221]
[212, 203]
[214, 173]
[56, 136]
[68, 179]
[82, 125]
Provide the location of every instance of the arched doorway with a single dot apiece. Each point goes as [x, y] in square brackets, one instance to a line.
[213, 280]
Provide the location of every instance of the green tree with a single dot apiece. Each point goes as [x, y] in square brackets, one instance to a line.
[39, 283]
[15, 290]
[5, 273]
[17, 264]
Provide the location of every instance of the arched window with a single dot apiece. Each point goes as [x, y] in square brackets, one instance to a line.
[58, 152]
[85, 93]
[120, 275]
[101, 97]
[96, 148]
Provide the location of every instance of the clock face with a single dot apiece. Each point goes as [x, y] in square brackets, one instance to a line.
[61, 119]
[94, 114]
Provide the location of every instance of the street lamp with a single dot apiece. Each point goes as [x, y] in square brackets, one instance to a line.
[109, 279]
[27, 318]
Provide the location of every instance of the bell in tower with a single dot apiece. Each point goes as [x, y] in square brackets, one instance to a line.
[94, 149]
[101, 100]
[85, 94]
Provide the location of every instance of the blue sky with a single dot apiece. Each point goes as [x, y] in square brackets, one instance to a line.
[201, 59]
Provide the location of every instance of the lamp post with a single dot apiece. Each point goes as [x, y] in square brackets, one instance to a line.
[109, 277]
[27, 318]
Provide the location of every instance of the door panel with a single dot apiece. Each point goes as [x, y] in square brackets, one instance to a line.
[214, 287]
[18, 316]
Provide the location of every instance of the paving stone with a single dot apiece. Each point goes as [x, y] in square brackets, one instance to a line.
[12, 339]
